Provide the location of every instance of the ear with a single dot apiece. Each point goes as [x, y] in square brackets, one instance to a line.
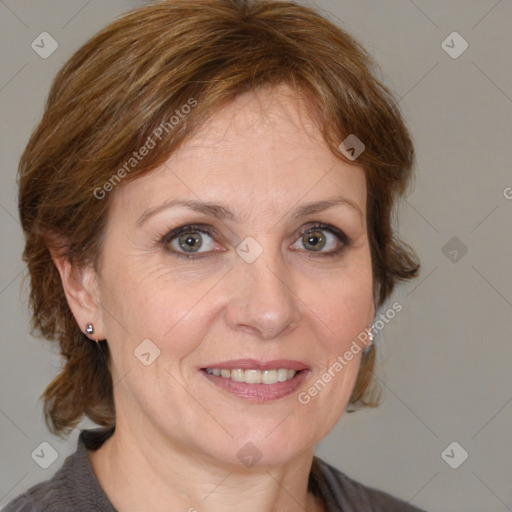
[82, 293]
[373, 312]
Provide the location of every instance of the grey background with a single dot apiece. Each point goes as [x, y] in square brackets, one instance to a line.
[445, 359]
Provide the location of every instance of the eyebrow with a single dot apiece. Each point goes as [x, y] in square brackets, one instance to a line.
[223, 212]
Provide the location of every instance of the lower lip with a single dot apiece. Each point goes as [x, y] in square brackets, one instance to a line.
[258, 392]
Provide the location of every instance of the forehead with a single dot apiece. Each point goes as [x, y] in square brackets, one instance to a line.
[262, 150]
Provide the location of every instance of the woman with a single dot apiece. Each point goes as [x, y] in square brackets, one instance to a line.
[207, 208]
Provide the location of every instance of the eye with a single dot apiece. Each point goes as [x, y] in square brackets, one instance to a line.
[322, 238]
[193, 241]
[188, 241]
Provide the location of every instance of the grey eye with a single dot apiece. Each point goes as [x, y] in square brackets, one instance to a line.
[314, 240]
[192, 241]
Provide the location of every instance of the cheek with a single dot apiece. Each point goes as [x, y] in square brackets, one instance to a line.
[343, 303]
[143, 305]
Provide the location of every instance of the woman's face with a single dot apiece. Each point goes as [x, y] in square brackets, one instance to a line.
[263, 286]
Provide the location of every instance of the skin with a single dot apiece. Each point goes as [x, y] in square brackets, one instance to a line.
[177, 435]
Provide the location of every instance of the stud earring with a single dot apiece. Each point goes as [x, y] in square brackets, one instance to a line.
[371, 337]
[89, 329]
[370, 333]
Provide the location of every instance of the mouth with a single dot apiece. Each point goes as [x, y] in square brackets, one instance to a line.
[256, 380]
[254, 376]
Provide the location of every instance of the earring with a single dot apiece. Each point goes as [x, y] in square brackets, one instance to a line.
[89, 329]
[371, 337]
[370, 333]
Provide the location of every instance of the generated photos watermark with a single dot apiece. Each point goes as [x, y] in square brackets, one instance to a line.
[151, 142]
[358, 344]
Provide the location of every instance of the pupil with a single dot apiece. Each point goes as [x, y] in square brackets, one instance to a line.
[190, 241]
[315, 238]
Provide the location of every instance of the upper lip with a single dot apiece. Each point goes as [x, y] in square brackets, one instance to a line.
[254, 364]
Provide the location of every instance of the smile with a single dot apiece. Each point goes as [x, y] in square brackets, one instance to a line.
[254, 376]
[257, 381]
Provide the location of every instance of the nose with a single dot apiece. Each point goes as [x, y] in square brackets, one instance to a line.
[263, 302]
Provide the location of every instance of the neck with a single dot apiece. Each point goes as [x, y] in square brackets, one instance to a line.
[140, 471]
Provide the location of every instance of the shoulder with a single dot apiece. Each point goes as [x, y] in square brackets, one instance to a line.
[41, 497]
[22, 503]
[73, 487]
[342, 492]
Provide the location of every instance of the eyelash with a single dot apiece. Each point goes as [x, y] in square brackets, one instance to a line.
[168, 237]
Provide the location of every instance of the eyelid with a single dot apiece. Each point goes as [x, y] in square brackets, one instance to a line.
[166, 239]
[169, 236]
[311, 226]
[202, 228]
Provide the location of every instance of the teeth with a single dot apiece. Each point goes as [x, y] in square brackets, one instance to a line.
[254, 376]
[269, 376]
[238, 375]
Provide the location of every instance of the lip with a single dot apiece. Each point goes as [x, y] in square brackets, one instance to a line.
[254, 364]
[259, 393]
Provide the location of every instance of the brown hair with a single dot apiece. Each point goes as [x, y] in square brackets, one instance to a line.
[124, 84]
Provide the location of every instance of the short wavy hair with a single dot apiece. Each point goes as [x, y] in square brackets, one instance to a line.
[125, 83]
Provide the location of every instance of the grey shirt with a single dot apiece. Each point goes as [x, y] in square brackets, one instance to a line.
[75, 488]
